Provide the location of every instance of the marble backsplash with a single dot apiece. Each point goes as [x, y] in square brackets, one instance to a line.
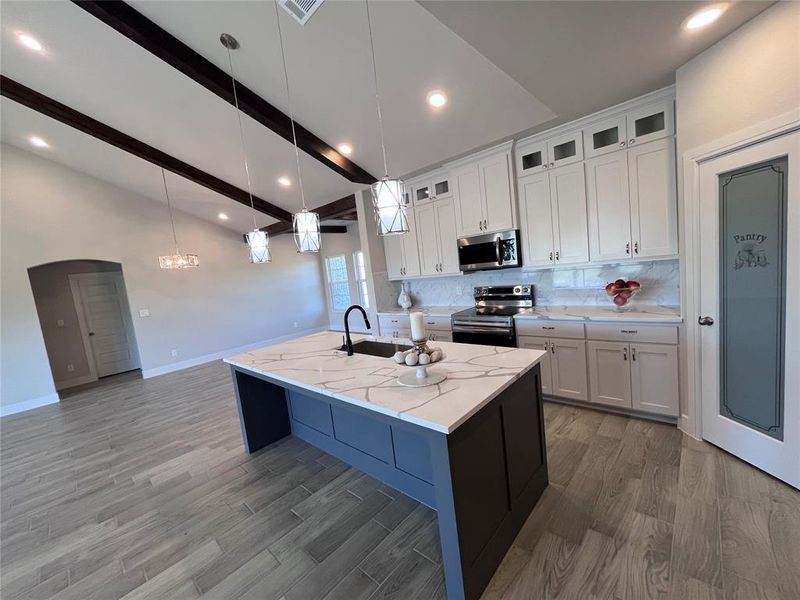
[580, 286]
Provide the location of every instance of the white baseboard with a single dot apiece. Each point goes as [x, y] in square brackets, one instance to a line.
[200, 360]
[68, 383]
[12, 409]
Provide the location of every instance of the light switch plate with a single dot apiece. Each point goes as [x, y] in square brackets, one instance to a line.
[144, 312]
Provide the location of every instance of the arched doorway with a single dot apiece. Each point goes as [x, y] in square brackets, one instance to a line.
[85, 319]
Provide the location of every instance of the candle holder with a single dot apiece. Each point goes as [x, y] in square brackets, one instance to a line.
[421, 377]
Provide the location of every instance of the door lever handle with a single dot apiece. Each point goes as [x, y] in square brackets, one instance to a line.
[705, 321]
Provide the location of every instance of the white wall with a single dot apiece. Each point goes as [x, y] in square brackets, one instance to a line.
[52, 213]
[747, 77]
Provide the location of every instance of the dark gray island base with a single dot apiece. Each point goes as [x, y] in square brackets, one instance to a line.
[483, 478]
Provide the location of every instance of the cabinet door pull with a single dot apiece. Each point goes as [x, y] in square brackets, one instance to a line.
[545, 166]
[557, 258]
[633, 353]
[552, 348]
[628, 248]
[546, 346]
[625, 353]
[551, 256]
[622, 144]
[552, 165]
[636, 247]
[631, 141]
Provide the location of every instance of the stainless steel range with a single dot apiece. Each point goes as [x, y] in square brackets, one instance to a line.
[491, 322]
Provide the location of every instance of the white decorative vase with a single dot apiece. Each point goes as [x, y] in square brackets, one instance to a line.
[404, 300]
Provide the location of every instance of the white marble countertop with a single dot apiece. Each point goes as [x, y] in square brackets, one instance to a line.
[433, 311]
[475, 375]
[644, 313]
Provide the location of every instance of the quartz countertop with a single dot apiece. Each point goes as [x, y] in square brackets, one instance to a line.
[432, 311]
[475, 375]
[644, 313]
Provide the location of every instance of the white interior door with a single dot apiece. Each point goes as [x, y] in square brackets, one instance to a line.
[105, 320]
[750, 304]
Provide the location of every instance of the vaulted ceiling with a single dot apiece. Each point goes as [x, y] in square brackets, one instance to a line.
[499, 63]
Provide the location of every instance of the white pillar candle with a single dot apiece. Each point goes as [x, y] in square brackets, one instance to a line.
[417, 326]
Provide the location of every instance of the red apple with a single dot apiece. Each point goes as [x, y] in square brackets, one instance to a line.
[625, 294]
[611, 289]
[619, 300]
[619, 283]
[633, 285]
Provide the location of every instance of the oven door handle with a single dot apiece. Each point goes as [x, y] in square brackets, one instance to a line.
[485, 330]
[498, 250]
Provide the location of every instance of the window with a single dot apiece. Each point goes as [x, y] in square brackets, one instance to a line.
[339, 287]
[361, 278]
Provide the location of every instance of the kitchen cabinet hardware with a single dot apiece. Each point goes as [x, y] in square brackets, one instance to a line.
[628, 248]
[636, 247]
[551, 256]
[629, 331]
[553, 348]
[633, 353]
[705, 321]
[631, 142]
[625, 353]
[548, 328]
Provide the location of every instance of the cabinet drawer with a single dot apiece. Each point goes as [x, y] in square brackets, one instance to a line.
[437, 323]
[542, 328]
[631, 332]
[390, 322]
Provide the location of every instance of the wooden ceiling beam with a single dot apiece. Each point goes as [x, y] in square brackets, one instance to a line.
[69, 116]
[147, 34]
[332, 210]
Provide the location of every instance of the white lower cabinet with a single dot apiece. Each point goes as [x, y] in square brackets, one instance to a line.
[564, 367]
[640, 376]
[609, 374]
[654, 378]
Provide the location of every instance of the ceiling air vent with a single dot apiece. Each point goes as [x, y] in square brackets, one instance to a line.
[301, 10]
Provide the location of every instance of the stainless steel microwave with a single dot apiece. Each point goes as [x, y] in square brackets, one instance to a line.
[490, 251]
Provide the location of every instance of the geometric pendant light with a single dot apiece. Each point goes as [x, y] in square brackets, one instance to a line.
[305, 224]
[177, 260]
[387, 193]
[257, 240]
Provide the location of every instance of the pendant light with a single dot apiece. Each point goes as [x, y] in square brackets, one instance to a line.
[387, 193]
[257, 240]
[177, 260]
[305, 223]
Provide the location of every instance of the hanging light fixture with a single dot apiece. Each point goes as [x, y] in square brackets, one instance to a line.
[257, 240]
[177, 260]
[387, 193]
[305, 223]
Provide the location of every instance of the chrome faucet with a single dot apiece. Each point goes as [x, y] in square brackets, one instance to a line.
[348, 343]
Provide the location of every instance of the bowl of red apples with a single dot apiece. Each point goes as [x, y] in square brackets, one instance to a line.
[622, 291]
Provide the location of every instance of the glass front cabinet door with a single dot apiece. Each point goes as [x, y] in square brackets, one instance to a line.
[650, 122]
[605, 136]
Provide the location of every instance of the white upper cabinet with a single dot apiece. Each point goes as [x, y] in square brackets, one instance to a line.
[537, 220]
[650, 122]
[433, 186]
[554, 217]
[653, 198]
[446, 230]
[402, 255]
[427, 238]
[438, 253]
[467, 188]
[609, 207]
[565, 149]
[484, 198]
[605, 136]
[568, 206]
[532, 158]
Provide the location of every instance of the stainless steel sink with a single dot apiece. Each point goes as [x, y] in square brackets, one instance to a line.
[385, 349]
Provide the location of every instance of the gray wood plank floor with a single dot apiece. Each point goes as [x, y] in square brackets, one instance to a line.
[141, 489]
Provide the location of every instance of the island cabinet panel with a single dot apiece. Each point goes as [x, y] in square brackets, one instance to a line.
[412, 454]
[310, 411]
[363, 433]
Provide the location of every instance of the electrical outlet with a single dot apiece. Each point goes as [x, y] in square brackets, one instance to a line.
[70, 367]
[60, 322]
[144, 312]
[174, 352]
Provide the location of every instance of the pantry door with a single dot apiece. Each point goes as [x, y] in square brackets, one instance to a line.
[749, 317]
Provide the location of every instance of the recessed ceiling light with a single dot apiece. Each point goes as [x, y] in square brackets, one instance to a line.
[437, 99]
[223, 216]
[704, 17]
[346, 149]
[38, 142]
[284, 181]
[30, 42]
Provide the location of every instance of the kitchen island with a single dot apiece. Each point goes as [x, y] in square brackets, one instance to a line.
[472, 447]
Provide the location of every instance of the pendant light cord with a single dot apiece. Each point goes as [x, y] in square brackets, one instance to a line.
[241, 138]
[169, 205]
[289, 102]
[377, 96]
